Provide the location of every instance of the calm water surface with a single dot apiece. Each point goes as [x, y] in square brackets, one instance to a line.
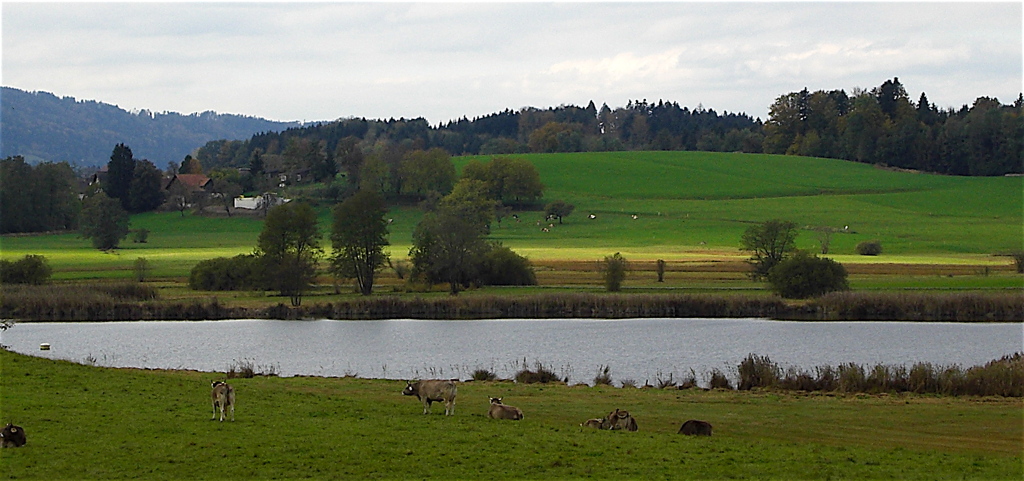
[638, 349]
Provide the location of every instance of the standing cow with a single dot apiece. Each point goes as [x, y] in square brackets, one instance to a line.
[503, 411]
[12, 436]
[223, 397]
[432, 390]
[694, 427]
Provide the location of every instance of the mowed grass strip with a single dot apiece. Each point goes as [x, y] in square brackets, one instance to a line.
[88, 422]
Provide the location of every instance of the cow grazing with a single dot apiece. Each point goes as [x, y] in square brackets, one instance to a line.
[694, 427]
[503, 411]
[619, 419]
[12, 436]
[432, 390]
[223, 397]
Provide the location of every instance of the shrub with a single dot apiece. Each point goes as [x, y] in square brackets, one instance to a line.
[614, 269]
[758, 372]
[501, 266]
[1018, 260]
[869, 248]
[806, 275]
[719, 380]
[141, 268]
[541, 375]
[226, 274]
[140, 236]
[31, 269]
[603, 376]
[484, 375]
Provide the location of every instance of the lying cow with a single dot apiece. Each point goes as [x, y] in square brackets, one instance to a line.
[223, 397]
[694, 427]
[12, 436]
[432, 390]
[615, 420]
[503, 411]
[619, 419]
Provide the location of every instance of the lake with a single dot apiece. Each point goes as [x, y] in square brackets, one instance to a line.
[634, 349]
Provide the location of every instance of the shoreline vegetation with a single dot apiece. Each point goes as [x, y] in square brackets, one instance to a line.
[138, 301]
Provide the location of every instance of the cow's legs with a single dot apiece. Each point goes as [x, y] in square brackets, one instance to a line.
[449, 408]
[426, 406]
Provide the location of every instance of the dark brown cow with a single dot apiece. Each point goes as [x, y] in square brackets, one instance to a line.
[223, 397]
[503, 411]
[431, 390]
[694, 427]
[12, 436]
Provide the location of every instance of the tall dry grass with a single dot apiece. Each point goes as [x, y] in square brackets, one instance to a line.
[1000, 377]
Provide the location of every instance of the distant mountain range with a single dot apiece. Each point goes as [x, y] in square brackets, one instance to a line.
[40, 126]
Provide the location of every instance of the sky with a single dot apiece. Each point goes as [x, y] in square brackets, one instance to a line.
[443, 61]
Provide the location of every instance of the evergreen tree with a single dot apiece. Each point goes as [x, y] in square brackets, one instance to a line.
[120, 171]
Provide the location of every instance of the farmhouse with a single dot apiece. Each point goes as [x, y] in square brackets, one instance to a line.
[192, 182]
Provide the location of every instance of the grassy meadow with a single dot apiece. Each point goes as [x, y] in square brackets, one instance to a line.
[86, 422]
[937, 232]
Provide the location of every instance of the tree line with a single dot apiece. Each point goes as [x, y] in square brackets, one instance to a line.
[879, 126]
[884, 126]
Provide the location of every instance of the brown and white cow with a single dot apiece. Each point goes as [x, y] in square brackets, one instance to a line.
[596, 423]
[694, 427]
[431, 390]
[619, 419]
[12, 436]
[503, 411]
[223, 397]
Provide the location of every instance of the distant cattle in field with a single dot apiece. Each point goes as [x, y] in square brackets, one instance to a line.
[12, 436]
[615, 420]
[432, 390]
[694, 427]
[223, 397]
[503, 411]
[619, 419]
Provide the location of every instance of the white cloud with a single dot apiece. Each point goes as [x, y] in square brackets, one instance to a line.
[443, 61]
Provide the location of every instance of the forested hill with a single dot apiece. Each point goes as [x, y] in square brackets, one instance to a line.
[43, 127]
[882, 126]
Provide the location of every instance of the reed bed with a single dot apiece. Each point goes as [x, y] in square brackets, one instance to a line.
[136, 301]
[1000, 377]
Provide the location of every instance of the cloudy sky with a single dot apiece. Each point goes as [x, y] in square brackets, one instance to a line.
[441, 61]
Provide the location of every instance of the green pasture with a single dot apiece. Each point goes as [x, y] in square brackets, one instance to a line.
[688, 206]
[86, 422]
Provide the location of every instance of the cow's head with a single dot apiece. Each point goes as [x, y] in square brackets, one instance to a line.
[411, 389]
[216, 383]
[495, 400]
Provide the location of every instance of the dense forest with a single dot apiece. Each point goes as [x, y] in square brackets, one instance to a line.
[879, 126]
[40, 126]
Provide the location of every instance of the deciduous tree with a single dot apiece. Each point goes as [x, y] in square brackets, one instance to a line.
[359, 235]
[289, 249]
[104, 221]
[770, 243]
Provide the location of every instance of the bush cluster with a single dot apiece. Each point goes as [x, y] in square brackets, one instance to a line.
[540, 374]
[227, 274]
[501, 266]
[31, 269]
[869, 248]
[807, 275]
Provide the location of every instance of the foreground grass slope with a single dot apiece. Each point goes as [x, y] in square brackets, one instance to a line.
[91, 423]
[689, 206]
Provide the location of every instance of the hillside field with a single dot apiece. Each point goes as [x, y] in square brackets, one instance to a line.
[691, 209]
